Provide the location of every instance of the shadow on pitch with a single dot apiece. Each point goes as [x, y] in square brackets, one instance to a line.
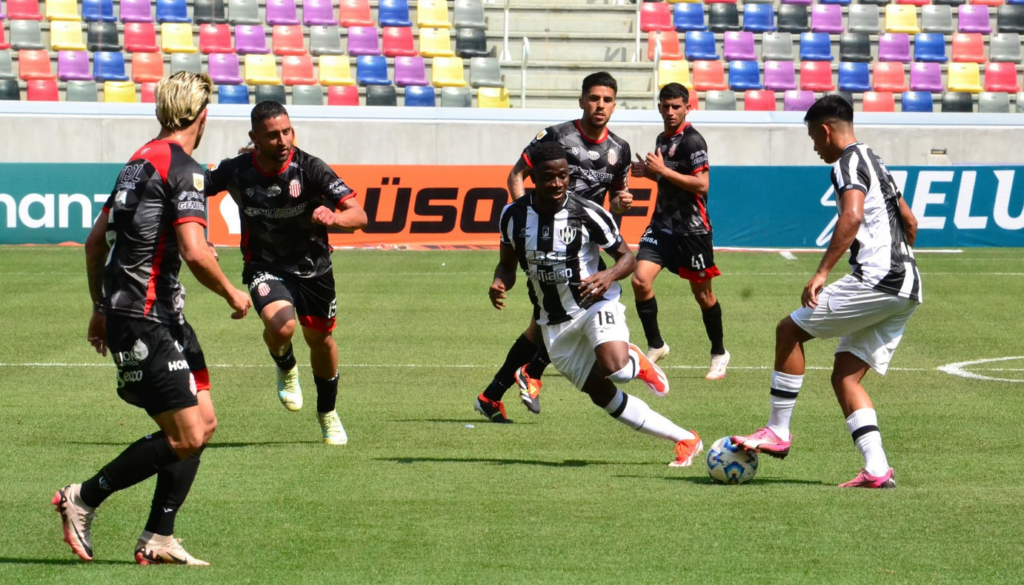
[495, 461]
[12, 561]
[210, 446]
[701, 480]
[461, 421]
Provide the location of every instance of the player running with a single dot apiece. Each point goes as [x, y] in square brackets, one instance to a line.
[287, 200]
[598, 165]
[154, 218]
[679, 237]
[557, 238]
[867, 310]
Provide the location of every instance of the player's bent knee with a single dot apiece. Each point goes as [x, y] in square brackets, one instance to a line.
[641, 285]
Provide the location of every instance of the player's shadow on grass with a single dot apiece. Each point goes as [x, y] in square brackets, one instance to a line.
[14, 561]
[701, 480]
[214, 445]
[495, 461]
[466, 421]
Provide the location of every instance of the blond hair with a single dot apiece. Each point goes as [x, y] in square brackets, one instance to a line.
[181, 98]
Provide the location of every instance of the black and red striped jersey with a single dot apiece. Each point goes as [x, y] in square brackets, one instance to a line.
[595, 167]
[677, 210]
[159, 188]
[276, 210]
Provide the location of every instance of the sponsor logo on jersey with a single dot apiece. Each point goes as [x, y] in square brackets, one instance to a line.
[177, 365]
[295, 188]
[260, 278]
[133, 357]
[250, 192]
[273, 191]
[575, 151]
[546, 258]
[263, 289]
[567, 234]
[593, 155]
[560, 276]
[672, 150]
[198, 181]
[338, 187]
[612, 157]
[178, 347]
[545, 233]
[276, 213]
[191, 206]
[541, 134]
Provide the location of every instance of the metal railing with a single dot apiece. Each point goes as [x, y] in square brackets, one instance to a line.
[636, 53]
[657, 64]
[506, 55]
[523, 66]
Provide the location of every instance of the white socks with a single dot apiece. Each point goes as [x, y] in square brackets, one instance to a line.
[863, 427]
[785, 388]
[635, 413]
[630, 371]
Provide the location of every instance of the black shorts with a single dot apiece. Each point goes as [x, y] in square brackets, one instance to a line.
[313, 298]
[691, 257]
[159, 367]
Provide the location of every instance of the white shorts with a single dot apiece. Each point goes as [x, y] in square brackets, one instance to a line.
[571, 344]
[869, 323]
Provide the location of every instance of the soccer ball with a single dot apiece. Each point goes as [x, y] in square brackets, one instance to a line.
[731, 464]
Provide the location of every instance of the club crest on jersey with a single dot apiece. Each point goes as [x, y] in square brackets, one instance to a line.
[672, 150]
[295, 188]
[250, 192]
[263, 289]
[273, 190]
[567, 234]
[593, 155]
[576, 151]
[612, 157]
[545, 233]
[541, 134]
[198, 181]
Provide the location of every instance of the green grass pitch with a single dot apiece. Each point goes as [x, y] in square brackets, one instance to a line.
[569, 496]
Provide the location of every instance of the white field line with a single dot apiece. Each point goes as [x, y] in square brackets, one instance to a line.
[481, 273]
[957, 369]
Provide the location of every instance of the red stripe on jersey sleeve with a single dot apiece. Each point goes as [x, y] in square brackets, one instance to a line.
[202, 378]
[526, 159]
[198, 220]
[347, 197]
[105, 210]
[154, 273]
[703, 168]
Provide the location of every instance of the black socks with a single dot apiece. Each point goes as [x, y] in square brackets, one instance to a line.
[326, 393]
[140, 461]
[285, 362]
[713, 326]
[173, 483]
[521, 352]
[648, 311]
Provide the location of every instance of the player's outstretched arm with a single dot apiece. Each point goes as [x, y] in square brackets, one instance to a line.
[96, 251]
[195, 252]
[516, 176]
[348, 217]
[504, 276]
[594, 286]
[842, 237]
[909, 222]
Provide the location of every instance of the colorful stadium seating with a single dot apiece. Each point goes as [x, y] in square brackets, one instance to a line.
[674, 72]
[215, 38]
[73, 66]
[410, 71]
[797, 101]
[98, 11]
[394, 13]
[335, 70]
[140, 37]
[233, 94]
[493, 97]
[447, 72]
[355, 13]
[709, 75]
[759, 100]
[432, 14]
[66, 36]
[780, 75]
[878, 101]
[421, 96]
[398, 42]
[298, 70]
[917, 101]
[343, 95]
[282, 13]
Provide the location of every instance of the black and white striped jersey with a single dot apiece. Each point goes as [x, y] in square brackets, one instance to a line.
[880, 255]
[558, 251]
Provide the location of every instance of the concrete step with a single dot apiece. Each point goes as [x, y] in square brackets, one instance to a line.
[562, 18]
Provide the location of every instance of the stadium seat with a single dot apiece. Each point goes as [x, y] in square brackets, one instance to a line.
[889, 77]
[190, 62]
[435, 42]
[669, 40]
[723, 17]
[289, 40]
[993, 103]
[121, 92]
[411, 71]
[493, 97]
[233, 94]
[66, 35]
[894, 47]
[797, 101]
[355, 13]
[363, 40]
[878, 101]
[146, 67]
[224, 69]
[973, 19]
[136, 11]
[298, 70]
[756, 17]
[4, 45]
[674, 72]
[307, 95]
[779, 75]
[140, 37]
[720, 101]
[937, 19]
[282, 13]
[777, 46]
[9, 90]
[800, 2]
[271, 93]
[863, 18]
[930, 47]
[739, 46]
[968, 48]
[61, 10]
[23, 10]
[689, 17]
[1020, 103]
[394, 13]
[839, 2]
[343, 95]
[215, 38]
[901, 19]
[917, 101]
[398, 42]
[244, 12]
[922, 2]
[470, 14]
[176, 38]
[98, 11]
[485, 72]
[147, 93]
[694, 101]
[456, 97]
[108, 66]
[709, 75]
[372, 70]
[71, 65]
[655, 16]
[26, 35]
[792, 18]
[815, 47]
[957, 102]
[432, 14]
[827, 18]
[325, 40]
[990, 2]
[81, 91]
[963, 77]
[251, 39]
[102, 36]
[261, 69]
[1004, 47]
[335, 70]
[855, 47]
[472, 42]
[926, 77]
[420, 96]
[744, 75]
[816, 76]
[172, 11]
[759, 100]
[700, 46]
[209, 12]
[1010, 19]
[42, 90]
[447, 72]
[318, 13]
[854, 77]
[1001, 77]
[381, 95]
